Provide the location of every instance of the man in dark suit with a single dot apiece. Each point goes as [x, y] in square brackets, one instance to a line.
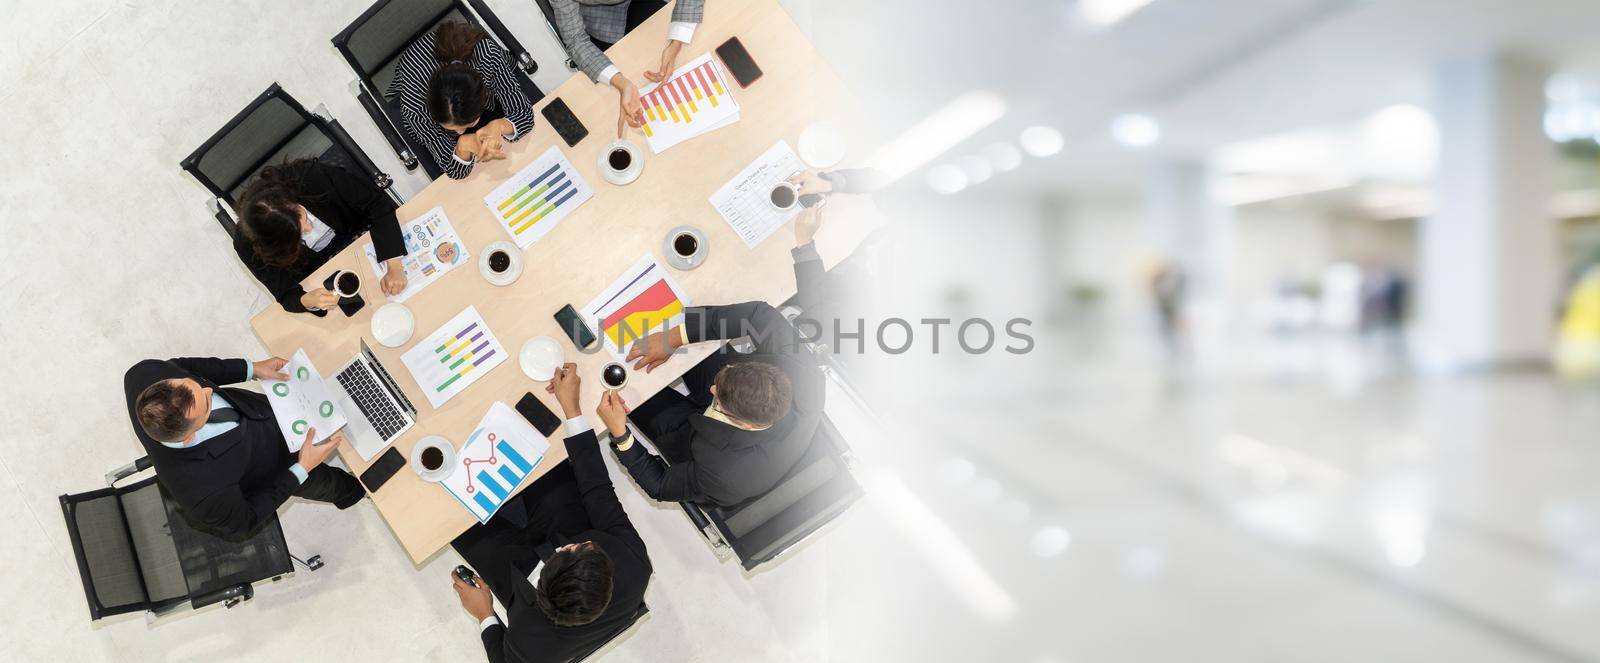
[218, 450]
[561, 556]
[748, 418]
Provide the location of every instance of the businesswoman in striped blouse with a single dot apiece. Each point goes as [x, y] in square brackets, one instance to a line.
[459, 98]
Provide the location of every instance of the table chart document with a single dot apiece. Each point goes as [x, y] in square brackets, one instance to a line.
[644, 299]
[454, 356]
[538, 197]
[745, 201]
[496, 458]
[695, 100]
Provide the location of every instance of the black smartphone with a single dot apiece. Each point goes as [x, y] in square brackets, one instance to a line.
[738, 62]
[532, 409]
[564, 122]
[379, 472]
[573, 325]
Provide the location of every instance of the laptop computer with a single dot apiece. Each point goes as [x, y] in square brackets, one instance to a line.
[377, 410]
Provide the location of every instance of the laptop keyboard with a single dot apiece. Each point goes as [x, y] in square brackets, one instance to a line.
[385, 418]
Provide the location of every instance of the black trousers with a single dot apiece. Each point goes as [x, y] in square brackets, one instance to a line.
[500, 551]
[331, 484]
[664, 418]
[639, 11]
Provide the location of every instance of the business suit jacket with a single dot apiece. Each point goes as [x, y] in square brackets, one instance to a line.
[576, 22]
[231, 484]
[588, 511]
[730, 465]
[350, 205]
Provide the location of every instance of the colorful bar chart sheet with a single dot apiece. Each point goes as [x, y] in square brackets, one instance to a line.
[745, 202]
[695, 100]
[644, 299]
[538, 197]
[432, 249]
[303, 402]
[454, 356]
[496, 458]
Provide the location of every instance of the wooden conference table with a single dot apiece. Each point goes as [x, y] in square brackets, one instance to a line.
[588, 249]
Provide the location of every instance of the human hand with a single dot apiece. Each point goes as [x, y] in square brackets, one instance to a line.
[669, 58]
[467, 147]
[614, 412]
[270, 368]
[394, 280]
[807, 225]
[477, 601]
[564, 384]
[321, 298]
[653, 350]
[312, 454]
[629, 113]
[491, 140]
[810, 182]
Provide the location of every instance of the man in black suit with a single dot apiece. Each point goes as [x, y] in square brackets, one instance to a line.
[561, 556]
[748, 418]
[218, 450]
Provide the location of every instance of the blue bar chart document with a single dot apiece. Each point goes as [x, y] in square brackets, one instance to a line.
[538, 197]
[495, 459]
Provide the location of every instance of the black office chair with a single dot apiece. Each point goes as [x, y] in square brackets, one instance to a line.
[373, 43]
[136, 552]
[272, 129]
[811, 495]
[550, 22]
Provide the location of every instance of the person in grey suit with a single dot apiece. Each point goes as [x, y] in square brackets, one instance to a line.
[589, 27]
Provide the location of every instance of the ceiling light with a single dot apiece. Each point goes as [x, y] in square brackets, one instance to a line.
[946, 179]
[937, 133]
[1004, 156]
[1135, 130]
[1050, 541]
[1042, 141]
[1106, 13]
[977, 169]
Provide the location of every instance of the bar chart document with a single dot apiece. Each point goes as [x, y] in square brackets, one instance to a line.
[644, 299]
[745, 202]
[454, 356]
[538, 197]
[432, 249]
[695, 100]
[496, 458]
[303, 402]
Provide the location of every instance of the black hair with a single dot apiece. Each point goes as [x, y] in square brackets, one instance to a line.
[575, 585]
[163, 410]
[456, 92]
[269, 214]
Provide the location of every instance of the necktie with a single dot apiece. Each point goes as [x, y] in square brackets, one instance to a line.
[223, 415]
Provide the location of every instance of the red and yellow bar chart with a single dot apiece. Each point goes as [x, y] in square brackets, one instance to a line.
[643, 300]
[695, 100]
[538, 197]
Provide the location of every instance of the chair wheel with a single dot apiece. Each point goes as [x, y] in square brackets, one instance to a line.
[314, 562]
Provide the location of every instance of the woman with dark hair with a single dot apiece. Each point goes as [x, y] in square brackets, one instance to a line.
[459, 98]
[296, 216]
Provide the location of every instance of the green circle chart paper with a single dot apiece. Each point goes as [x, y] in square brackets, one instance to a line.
[281, 389]
[302, 373]
[299, 426]
[326, 408]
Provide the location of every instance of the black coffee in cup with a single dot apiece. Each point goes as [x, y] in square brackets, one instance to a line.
[614, 375]
[685, 244]
[499, 261]
[348, 284]
[782, 197]
[620, 159]
[432, 458]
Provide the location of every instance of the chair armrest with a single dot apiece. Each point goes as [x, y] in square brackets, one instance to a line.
[138, 465]
[390, 132]
[696, 516]
[233, 594]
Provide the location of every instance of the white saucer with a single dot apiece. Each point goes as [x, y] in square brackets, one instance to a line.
[511, 274]
[820, 145]
[680, 262]
[445, 468]
[540, 357]
[627, 175]
[392, 325]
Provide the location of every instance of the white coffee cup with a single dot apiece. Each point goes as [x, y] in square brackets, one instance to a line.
[339, 279]
[793, 196]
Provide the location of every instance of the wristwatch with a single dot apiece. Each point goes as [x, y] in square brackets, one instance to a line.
[623, 443]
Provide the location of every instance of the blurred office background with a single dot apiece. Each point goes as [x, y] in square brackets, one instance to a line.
[1313, 289]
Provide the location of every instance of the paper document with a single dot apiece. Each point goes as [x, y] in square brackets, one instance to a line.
[302, 402]
[695, 100]
[644, 299]
[496, 458]
[432, 248]
[538, 197]
[745, 201]
[454, 356]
